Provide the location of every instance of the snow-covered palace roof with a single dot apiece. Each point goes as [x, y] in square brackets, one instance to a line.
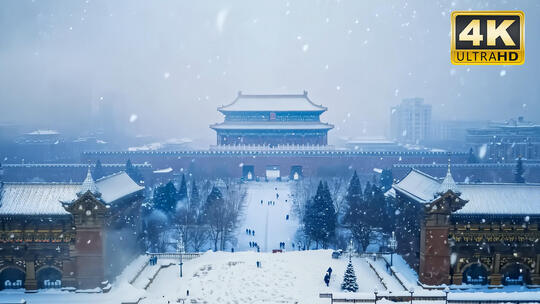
[483, 198]
[272, 103]
[315, 125]
[47, 198]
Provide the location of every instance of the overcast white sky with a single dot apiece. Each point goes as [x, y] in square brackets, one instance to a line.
[173, 62]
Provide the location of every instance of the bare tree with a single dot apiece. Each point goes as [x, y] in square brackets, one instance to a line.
[234, 195]
[338, 189]
[222, 211]
[197, 236]
[302, 191]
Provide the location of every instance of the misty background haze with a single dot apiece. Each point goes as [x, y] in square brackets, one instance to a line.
[162, 68]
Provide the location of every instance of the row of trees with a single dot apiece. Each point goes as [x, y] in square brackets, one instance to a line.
[204, 218]
[338, 207]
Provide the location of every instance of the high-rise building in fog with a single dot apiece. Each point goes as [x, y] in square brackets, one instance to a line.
[410, 121]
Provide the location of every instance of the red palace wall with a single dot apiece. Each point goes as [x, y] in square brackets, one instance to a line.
[208, 163]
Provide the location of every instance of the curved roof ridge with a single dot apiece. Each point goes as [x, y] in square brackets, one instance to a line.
[110, 175]
[304, 96]
[425, 174]
[44, 183]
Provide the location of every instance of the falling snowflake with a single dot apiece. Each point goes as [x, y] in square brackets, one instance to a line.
[305, 47]
[502, 73]
[220, 19]
[482, 151]
[133, 118]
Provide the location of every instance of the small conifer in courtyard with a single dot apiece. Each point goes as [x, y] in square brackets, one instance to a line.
[349, 279]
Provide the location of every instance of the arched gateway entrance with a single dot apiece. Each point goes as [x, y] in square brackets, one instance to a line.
[11, 278]
[49, 277]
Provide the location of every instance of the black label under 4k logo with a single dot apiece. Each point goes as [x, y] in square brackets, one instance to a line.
[488, 37]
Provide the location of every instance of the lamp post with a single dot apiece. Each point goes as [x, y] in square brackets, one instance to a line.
[393, 247]
[181, 249]
[446, 291]
[350, 249]
[411, 291]
[375, 292]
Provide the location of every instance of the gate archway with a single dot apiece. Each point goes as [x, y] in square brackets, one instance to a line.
[475, 274]
[12, 278]
[516, 273]
[49, 277]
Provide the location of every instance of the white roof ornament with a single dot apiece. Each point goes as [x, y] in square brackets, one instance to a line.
[448, 183]
[89, 185]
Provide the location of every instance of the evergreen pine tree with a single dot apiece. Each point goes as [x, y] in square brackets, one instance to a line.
[329, 216]
[194, 199]
[182, 192]
[518, 173]
[355, 217]
[471, 159]
[368, 192]
[349, 279]
[133, 172]
[376, 208]
[98, 170]
[386, 179]
[165, 198]
[320, 217]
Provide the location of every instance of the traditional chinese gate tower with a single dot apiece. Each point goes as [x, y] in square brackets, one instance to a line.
[272, 120]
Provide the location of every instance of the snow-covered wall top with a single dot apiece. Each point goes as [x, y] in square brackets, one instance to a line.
[272, 151]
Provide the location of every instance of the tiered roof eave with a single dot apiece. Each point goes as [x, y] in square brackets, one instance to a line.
[272, 103]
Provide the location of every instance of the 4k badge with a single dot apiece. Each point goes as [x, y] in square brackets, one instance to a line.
[488, 37]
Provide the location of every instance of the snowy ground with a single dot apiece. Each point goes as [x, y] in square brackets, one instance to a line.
[224, 277]
[290, 277]
[267, 220]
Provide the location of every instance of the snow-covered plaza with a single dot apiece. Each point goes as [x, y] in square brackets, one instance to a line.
[267, 217]
[225, 277]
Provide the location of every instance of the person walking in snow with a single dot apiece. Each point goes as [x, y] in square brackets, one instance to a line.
[327, 279]
[287, 217]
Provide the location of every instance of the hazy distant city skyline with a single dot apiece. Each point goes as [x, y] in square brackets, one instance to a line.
[167, 66]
